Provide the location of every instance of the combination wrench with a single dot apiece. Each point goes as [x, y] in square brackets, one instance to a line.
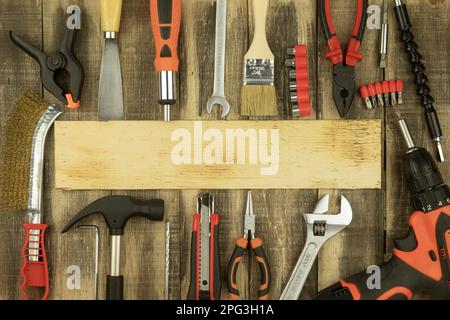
[320, 228]
[218, 96]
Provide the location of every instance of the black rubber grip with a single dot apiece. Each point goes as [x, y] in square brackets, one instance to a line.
[216, 266]
[399, 281]
[165, 11]
[264, 270]
[233, 267]
[362, 25]
[193, 287]
[114, 287]
[401, 13]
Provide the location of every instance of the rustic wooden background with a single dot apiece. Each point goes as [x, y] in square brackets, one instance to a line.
[379, 215]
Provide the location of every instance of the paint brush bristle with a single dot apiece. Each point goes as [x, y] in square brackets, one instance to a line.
[259, 100]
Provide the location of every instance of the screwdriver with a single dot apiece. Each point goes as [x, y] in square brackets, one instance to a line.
[384, 36]
[165, 19]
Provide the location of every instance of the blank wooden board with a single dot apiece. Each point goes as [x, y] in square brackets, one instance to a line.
[140, 155]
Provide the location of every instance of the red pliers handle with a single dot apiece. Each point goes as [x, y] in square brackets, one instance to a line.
[242, 245]
[352, 54]
[344, 84]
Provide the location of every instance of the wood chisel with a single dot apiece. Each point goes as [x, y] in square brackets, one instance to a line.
[110, 95]
[205, 273]
[165, 16]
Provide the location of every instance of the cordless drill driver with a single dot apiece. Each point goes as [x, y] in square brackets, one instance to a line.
[421, 261]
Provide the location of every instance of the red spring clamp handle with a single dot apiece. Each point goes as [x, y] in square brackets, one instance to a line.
[34, 267]
[301, 66]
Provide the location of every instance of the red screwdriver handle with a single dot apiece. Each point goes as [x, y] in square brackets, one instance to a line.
[34, 267]
[165, 16]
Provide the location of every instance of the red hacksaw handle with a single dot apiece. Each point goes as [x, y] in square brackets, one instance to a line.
[34, 273]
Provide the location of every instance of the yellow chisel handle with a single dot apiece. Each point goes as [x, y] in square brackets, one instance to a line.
[110, 11]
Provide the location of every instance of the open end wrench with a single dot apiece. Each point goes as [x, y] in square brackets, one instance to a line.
[218, 96]
[320, 228]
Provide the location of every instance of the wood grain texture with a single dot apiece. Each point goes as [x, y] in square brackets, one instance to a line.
[433, 45]
[218, 155]
[278, 212]
[359, 245]
[25, 21]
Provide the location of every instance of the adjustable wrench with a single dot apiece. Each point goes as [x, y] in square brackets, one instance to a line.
[320, 228]
[218, 96]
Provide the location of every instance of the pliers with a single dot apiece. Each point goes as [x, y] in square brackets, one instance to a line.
[256, 244]
[52, 66]
[344, 86]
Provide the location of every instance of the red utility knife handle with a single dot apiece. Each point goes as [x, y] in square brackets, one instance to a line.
[34, 273]
[165, 16]
[194, 290]
[214, 265]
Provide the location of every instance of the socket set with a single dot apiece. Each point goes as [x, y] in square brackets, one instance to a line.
[297, 64]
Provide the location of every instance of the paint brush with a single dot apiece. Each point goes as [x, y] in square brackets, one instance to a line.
[258, 96]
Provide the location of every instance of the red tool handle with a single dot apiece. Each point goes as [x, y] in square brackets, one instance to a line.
[233, 265]
[34, 273]
[301, 65]
[419, 264]
[214, 268]
[165, 16]
[194, 290]
[335, 54]
[239, 251]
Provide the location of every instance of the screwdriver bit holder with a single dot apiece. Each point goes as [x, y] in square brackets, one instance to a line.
[297, 62]
[380, 94]
[421, 80]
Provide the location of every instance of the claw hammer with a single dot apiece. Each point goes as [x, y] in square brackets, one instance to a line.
[117, 210]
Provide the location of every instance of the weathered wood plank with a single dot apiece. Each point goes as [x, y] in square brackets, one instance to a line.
[361, 243]
[60, 206]
[218, 155]
[430, 25]
[19, 73]
[279, 213]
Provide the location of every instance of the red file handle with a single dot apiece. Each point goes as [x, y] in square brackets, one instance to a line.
[165, 16]
[34, 273]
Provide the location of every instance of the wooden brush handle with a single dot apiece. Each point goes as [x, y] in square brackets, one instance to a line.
[259, 48]
[110, 11]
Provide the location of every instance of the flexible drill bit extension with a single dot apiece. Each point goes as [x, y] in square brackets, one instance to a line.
[423, 90]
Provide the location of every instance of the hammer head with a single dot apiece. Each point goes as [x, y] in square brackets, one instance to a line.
[117, 210]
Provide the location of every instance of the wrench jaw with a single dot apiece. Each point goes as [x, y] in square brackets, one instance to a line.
[221, 101]
[320, 228]
[344, 218]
